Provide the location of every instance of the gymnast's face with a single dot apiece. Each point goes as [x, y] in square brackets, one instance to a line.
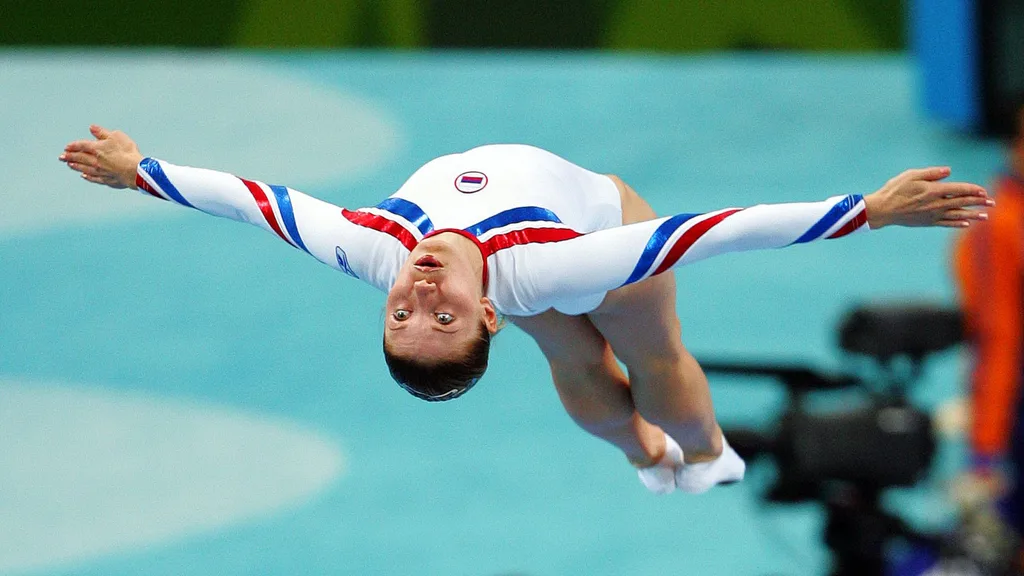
[436, 305]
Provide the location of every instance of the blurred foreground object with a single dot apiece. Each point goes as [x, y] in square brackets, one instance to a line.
[982, 545]
[988, 264]
[846, 458]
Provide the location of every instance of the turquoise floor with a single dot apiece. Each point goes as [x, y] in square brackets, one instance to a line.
[183, 395]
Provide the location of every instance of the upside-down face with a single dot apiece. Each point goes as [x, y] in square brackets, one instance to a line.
[435, 308]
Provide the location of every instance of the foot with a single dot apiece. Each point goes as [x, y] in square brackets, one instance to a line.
[698, 478]
[672, 472]
[661, 477]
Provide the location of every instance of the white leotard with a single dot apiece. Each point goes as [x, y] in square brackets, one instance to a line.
[550, 231]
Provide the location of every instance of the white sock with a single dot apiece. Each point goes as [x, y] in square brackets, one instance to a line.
[661, 477]
[701, 477]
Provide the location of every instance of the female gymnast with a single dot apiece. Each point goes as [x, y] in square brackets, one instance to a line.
[572, 257]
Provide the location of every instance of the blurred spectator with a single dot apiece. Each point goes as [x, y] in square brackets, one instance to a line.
[989, 268]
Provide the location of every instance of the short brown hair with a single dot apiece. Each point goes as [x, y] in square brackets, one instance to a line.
[445, 380]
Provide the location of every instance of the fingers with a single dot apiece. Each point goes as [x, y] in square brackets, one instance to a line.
[84, 163]
[961, 218]
[961, 204]
[930, 174]
[88, 146]
[953, 223]
[106, 181]
[965, 215]
[78, 158]
[96, 175]
[967, 201]
[99, 132]
[955, 189]
[87, 169]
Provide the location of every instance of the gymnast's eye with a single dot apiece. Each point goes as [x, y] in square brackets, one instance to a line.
[444, 317]
[400, 315]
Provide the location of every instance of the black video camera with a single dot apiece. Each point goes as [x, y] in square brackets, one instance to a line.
[846, 457]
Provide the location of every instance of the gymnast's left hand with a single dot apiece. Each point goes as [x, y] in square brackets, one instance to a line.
[920, 198]
[111, 159]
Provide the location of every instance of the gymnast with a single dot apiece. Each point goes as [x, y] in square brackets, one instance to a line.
[572, 257]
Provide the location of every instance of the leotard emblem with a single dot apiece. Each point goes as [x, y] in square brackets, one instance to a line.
[339, 253]
[470, 182]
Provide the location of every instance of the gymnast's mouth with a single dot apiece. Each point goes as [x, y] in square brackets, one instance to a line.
[427, 264]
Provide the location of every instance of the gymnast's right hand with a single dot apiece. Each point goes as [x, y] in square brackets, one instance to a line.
[111, 159]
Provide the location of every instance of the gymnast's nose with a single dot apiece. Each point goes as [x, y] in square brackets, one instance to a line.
[424, 288]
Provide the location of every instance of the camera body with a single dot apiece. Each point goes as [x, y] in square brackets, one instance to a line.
[883, 442]
[881, 445]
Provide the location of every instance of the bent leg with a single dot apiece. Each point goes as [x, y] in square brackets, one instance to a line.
[668, 387]
[593, 389]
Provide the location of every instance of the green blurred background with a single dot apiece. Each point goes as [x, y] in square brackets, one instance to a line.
[659, 25]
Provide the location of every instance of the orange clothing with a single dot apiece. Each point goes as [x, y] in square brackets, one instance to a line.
[989, 268]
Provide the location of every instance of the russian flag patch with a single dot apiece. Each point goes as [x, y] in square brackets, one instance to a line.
[470, 182]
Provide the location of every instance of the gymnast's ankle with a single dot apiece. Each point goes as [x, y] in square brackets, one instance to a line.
[645, 460]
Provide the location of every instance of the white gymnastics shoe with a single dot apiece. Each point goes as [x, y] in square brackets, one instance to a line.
[661, 477]
[701, 477]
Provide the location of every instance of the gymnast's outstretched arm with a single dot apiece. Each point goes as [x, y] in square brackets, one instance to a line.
[611, 258]
[325, 231]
